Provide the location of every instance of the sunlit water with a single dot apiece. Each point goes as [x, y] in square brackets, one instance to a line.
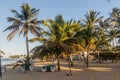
[7, 61]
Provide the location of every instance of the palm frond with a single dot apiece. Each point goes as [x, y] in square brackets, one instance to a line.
[34, 21]
[37, 39]
[14, 20]
[36, 48]
[39, 29]
[34, 12]
[14, 26]
[12, 34]
[16, 14]
[21, 31]
[35, 32]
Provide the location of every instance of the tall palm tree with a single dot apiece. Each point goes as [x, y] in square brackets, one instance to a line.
[102, 41]
[89, 33]
[23, 23]
[88, 40]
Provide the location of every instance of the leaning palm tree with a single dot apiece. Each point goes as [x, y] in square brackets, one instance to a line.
[23, 23]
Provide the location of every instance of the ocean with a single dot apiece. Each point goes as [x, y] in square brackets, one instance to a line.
[7, 61]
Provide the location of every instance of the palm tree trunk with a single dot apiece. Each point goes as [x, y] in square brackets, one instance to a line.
[58, 63]
[27, 46]
[88, 56]
[87, 59]
[71, 61]
[58, 60]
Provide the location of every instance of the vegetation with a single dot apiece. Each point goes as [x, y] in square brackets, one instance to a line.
[89, 35]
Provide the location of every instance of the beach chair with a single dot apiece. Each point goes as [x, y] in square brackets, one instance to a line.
[48, 68]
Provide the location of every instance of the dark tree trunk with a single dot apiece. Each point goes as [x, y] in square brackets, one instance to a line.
[58, 62]
[58, 59]
[87, 60]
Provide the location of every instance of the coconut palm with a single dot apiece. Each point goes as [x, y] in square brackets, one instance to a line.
[88, 40]
[101, 41]
[58, 35]
[24, 22]
[89, 33]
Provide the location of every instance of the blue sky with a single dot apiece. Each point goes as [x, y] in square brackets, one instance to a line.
[75, 9]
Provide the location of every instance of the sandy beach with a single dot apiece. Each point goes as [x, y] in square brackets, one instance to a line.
[96, 71]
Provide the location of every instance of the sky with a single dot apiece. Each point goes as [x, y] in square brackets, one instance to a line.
[75, 9]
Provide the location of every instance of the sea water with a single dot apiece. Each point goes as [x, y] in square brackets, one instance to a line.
[8, 61]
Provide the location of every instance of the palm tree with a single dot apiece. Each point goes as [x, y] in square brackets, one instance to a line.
[58, 35]
[23, 23]
[89, 33]
[114, 31]
[88, 40]
[101, 39]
